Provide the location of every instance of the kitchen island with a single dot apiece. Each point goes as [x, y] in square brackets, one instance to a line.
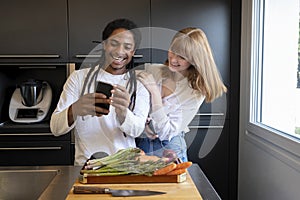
[55, 182]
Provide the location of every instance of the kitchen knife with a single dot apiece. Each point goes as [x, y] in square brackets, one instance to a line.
[115, 193]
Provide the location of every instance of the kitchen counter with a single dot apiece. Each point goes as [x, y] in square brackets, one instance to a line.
[55, 182]
[37, 182]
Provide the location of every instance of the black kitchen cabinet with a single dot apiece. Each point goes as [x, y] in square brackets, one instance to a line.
[32, 143]
[213, 17]
[208, 146]
[219, 19]
[34, 148]
[33, 31]
[64, 30]
[87, 20]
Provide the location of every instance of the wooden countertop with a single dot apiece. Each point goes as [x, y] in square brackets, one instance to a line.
[175, 191]
[61, 186]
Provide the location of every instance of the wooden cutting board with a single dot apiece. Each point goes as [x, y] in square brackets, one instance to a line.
[93, 178]
[176, 191]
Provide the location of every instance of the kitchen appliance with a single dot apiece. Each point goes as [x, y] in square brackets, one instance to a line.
[30, 101]
[29, 142]
[115, 193]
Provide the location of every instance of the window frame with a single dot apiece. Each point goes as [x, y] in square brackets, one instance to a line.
[285, 147]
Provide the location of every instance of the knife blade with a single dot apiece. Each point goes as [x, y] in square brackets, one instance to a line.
[115, 193]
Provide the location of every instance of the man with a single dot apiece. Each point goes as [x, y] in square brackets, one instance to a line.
[96, 128]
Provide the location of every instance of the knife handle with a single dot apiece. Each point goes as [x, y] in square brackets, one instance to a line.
[90, 190]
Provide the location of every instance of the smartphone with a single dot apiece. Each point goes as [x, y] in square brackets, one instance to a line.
[104, 88]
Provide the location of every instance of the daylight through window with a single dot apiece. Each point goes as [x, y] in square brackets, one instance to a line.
[278, 92]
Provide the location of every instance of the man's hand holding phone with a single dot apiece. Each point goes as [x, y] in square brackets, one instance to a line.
[102, 105]
[121, 101]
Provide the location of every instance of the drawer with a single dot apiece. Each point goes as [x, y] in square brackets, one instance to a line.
[210, 120]
[35, 153]
[218, 109]
[200, 131]
[31, 136]
[210, 149]
[205, 136]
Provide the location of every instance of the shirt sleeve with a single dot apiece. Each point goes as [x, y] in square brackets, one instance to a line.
[170, 121]
[177, 112]
[70, 94]
[155, 70]
[135, 120]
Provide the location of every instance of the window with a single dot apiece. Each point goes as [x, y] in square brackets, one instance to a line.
[275, 76]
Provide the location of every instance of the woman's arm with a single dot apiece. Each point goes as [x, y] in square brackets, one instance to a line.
[175, 117]
[151, 85]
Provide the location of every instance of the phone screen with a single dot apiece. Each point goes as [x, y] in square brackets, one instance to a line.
[104, 88]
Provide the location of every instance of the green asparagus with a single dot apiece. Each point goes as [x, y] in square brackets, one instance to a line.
[125, 161]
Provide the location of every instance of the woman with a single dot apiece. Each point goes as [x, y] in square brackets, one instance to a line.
[97, 128]
[177, 90]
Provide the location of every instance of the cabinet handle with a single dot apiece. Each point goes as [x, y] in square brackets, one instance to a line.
[38, 67]
[138, 56]
[210, 114]
[32, 65]
[29, 148]
[25, 134]
[87, 56]
[196, 127]
[30, 56]
[98, 56]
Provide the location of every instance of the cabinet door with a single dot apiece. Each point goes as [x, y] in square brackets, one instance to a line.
[35, 153]
[33, 146]
[33, 31]
[87, 20]
[214, 18]
[208, 145]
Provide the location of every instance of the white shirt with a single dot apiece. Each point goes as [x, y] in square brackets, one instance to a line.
[179, 108]
[103, 133]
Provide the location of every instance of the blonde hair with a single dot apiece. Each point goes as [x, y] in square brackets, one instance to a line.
[203, 75]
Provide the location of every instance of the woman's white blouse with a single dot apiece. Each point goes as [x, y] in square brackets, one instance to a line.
[179, 108]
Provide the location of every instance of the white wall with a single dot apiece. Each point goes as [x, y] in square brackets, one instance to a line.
[262, 176]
